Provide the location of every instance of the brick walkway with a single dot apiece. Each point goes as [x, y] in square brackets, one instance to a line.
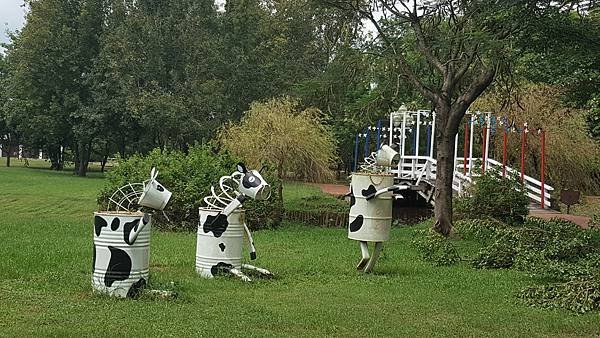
[334, 189]
[534, 211]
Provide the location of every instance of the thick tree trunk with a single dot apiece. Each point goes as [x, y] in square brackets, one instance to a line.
[84, 158]
[443, 184]
[8, 153]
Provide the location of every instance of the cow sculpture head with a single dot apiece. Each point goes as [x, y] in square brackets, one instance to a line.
[252, 184]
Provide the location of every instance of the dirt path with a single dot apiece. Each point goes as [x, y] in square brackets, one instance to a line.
[582, 221]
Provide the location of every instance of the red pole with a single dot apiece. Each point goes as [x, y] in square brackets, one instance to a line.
[465, 151]
[504, 141]
[523, 141]
[543, 144]
[483, 149]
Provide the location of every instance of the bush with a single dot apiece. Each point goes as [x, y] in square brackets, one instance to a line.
[564, 257]
[435, 248]
[189, 177]
[494, 196]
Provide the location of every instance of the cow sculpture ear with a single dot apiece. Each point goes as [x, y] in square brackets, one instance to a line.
[241, 168]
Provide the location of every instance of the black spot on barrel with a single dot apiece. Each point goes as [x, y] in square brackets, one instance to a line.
[119, 266]
[99, 223]
[356, 224]
[220, 268]
[160, 188]
[133, 225]
[217, 224]
[136, 288]
[114, 225]
[352, 198]
[222, 247]
[371, 190]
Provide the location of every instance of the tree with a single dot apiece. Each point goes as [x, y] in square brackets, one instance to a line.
[450, 52]
[293, 142]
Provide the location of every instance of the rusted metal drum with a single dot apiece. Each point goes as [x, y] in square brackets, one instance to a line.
[371, 220]
[219, 242]
[121, 253]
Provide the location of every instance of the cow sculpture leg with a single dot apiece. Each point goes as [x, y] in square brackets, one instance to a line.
[262, 271]
[374, 257]
[367, 262]
[364, 250]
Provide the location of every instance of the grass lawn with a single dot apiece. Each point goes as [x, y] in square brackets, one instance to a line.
[45, 266]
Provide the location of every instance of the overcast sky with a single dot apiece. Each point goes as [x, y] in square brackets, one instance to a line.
[12, 17]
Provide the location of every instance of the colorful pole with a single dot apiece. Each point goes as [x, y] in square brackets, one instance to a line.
[543, 145]
[504, 144]
[356, 142]
[466, 148]
[483, 150]
[523, 142]
[429, 138]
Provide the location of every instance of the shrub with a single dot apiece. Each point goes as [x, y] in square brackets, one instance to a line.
[435, 248]
[563, 256]
[189, 177]
[493, 196]
[478, 229]
[578, 294]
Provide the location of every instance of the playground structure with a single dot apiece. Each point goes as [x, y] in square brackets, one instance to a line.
[407, 132]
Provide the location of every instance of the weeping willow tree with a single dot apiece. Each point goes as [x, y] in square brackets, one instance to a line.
[292, 141]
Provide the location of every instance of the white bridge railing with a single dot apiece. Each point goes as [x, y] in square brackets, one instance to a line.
[423, 168]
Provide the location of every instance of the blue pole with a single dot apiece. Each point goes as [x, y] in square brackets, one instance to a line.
[356, 141]
[415, 138]
[378, 134]
[367, 143]
[428, 138]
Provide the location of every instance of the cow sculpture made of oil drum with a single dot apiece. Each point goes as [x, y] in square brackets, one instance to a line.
[121, 253]
[220, 244]
[370, 220]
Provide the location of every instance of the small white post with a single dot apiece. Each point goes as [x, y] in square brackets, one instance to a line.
[455, 154]
[391, 140]
[432, 135]
[40, 155]
[403, 140]
[418, 133]
[20, 151]
[487, 137]
[0, 150]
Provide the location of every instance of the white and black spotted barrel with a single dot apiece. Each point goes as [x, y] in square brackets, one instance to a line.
[219, 244]
[121, 253]
[371, 220]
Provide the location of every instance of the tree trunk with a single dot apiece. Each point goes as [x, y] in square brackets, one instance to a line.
[84, 158]
[443, 184]
[8, 153]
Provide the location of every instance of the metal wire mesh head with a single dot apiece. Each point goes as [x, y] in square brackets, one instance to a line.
[126, 198]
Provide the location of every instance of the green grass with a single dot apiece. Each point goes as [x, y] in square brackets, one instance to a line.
[45, 266]
[305, 197]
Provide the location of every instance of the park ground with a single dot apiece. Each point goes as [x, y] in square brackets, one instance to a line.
[45, 267]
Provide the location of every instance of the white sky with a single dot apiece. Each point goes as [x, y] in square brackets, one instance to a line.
[12, 17]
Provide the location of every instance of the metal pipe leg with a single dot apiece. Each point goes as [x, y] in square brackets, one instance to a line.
[250, 242]
[373, 260]
[239, 274]
[364, 250]
[257, 269]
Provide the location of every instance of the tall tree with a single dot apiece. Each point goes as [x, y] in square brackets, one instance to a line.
[462, 46]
